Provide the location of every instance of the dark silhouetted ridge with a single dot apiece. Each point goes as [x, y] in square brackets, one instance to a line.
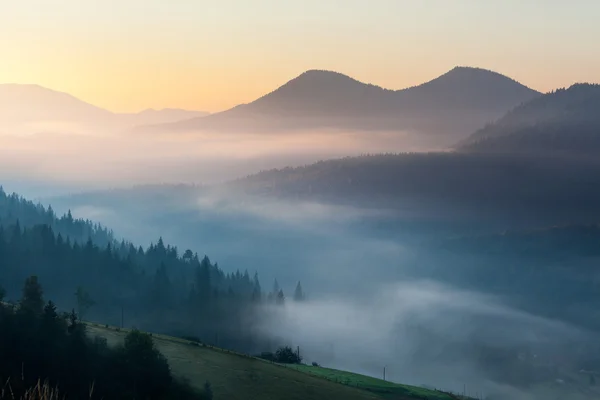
[564, 121]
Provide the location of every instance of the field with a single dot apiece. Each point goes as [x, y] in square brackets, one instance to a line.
[234, 376]
[385, 388]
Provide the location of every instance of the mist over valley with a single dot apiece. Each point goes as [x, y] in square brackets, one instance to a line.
[331, 238]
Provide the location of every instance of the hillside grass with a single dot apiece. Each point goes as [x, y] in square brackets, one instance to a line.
[237, 376]
[379, 386]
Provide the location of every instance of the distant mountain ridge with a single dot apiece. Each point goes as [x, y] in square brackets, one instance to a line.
[522, 188]
[566, 121]
[26, 108]
[457, 102]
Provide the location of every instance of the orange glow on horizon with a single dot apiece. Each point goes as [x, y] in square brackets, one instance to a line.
[193, 56]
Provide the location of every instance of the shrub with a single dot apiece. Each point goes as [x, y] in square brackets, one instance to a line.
[286, 355]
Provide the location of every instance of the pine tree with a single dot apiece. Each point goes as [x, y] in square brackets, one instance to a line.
[84, 302]
[203, 282]
[73, 321]
[188, 256]
[256, 291]
[32, 300]
[50, 311]
[298, 294]
[280, 300]
[161, 290]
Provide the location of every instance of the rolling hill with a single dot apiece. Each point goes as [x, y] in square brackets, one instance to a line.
[474, 187]
[236, 376]
[455, 103]
[565, 121]
[27, 109]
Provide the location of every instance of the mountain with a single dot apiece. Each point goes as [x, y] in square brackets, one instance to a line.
[34, 109]
[163, 116]
[565, 121]
[457, 102]
[508, 190]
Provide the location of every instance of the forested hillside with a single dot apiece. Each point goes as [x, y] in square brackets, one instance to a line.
[158, 288]
[565, 121]
[47, 354]
[515, 190]
[14, 208]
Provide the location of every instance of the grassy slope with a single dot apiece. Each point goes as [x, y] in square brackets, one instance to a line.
[385, 388]
[234, 376]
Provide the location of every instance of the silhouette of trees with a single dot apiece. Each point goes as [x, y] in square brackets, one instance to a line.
[32, 300]
[84, 301]
[280, 299]
[143, 366]
[155, 288]
[56, 349]
[286, 355]
[564, 121]
[298, 293]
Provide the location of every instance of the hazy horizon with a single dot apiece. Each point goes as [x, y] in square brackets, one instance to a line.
[129, 56]
[251, 175]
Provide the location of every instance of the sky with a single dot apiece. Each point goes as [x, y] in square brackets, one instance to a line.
[128, 55]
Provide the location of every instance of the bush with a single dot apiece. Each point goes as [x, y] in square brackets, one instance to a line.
[315, 364]
[143, 366]
[286, 355]
[283, 355]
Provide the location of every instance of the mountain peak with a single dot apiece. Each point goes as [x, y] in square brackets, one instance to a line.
[321, 77]
[474, 75]
[322, 74]
[317, 98]
[314, 89]
[467, 68]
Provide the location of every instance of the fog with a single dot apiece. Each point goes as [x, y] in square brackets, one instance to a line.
[374, 299]
[422, 332]
[283, 240]
[78, 162]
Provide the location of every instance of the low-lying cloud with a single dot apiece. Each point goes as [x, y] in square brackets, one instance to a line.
[366, 308]
[108, 159]
[421, 332]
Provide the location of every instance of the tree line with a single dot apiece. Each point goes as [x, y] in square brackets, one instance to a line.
[41, 347]
[157, 289]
